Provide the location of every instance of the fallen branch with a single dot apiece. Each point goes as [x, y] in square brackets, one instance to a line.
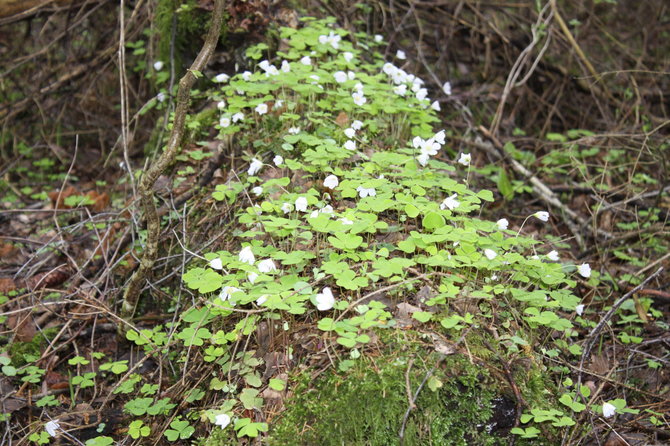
[145, 189]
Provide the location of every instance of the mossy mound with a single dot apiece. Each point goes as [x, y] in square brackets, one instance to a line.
[367, 404]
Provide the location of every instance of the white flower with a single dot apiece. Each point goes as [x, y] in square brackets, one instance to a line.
[350, 133]
[348, 56]
[553, 256]
[350, 145]
[306, 60]
[435, 106]
[465, 159]
[502, 224]
[327, 209]
[264, 65]
[447, 88]
[584, 270]
[228, 291]
[221, 105]
[579, 309]
[246, 76]
[400, 54]
[224, 122]
[255, 166]
[314, 214]
[221, 78]
[272, 71]
[359, 98]
[278, 160]
[542, 215]
[423, 159]
[261, 109]
[251, 277]
[158, 65]
[439, 136]
[286, 208]
[285, 66]
[608, 410]
[216, 263]
[52, 427]
[257, 190]
[238, 116]
[261, 300]
[247, 255]
[325, 300]
[490, 254]
[222, 420]
[345, 221]
[301, 204]
[267, 265]
[160, 97]
[389, 69]
[366, 192]
[422, 94]
[331, 182]
[358, 87]
[400, 90]
[314, 77]
[450, 203]
[340, 76]
[357, 125]
[378, 38]
[294, 130]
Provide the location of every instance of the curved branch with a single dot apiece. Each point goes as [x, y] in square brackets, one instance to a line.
[145, 189]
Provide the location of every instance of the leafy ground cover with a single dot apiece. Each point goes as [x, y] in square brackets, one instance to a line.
[348, 250]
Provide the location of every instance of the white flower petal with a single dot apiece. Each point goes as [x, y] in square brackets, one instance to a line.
[216, 263]
[254, 167]
[247, 255]
[325, 300]
[490, 254]
[301, 204]
[266, 266]
[450, 203]
[465, 159]
[502, 224]
[608, 410]
[331, 182]
[52, 427]
[542, 215]
[222, 420]
[584, 270]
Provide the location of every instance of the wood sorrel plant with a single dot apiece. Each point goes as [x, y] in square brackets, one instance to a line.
[350, 203]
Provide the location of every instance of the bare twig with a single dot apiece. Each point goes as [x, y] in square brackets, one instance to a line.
[591, 338]
[145, 189]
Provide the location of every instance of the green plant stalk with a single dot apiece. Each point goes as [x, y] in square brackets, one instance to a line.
[145, 190]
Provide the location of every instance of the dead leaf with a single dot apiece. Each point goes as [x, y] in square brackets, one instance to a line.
[342, 119]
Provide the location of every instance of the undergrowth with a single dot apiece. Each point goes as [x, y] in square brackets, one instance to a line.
[352, 205]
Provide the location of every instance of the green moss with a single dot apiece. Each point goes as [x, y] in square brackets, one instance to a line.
[23, 353]
[366, 406]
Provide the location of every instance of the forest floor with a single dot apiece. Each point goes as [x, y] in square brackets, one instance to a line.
[553, 322]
